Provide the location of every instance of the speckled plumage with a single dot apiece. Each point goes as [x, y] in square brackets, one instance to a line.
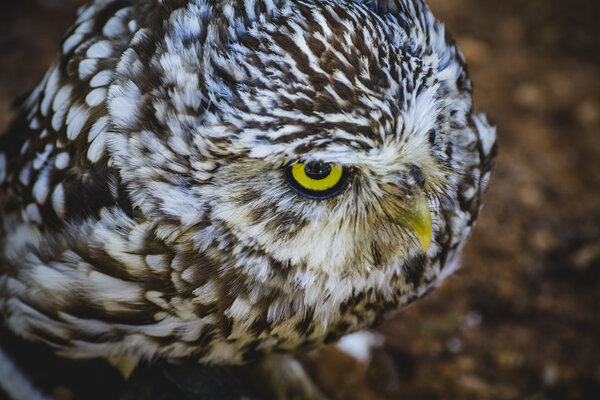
[144, 207]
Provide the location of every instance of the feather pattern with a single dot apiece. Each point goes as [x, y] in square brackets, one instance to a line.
[144, 206]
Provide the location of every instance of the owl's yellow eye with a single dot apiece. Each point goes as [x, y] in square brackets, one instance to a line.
[317, 180]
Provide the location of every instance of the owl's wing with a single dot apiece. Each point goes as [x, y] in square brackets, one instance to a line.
[76, 270]
[53, 165]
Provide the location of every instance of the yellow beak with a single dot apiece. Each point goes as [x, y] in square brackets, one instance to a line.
[418, 218]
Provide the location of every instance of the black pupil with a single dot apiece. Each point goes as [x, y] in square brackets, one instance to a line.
[317, 171]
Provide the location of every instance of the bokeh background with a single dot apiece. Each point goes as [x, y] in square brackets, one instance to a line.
[521, 319]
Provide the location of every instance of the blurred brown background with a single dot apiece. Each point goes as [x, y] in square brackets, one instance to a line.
[521, 319]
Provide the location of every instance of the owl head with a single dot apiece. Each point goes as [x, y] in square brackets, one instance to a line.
[333, 136]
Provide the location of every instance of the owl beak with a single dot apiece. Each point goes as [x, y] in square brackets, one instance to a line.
[417, 217]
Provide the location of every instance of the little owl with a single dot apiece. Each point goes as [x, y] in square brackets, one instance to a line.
[217, 179]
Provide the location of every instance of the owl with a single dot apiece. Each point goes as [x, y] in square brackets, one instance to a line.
[213, 180]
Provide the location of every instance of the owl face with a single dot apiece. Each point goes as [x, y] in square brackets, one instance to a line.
[320, 148]
[376, 217]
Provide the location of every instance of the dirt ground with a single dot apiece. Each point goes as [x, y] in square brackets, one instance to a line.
[521, 319]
